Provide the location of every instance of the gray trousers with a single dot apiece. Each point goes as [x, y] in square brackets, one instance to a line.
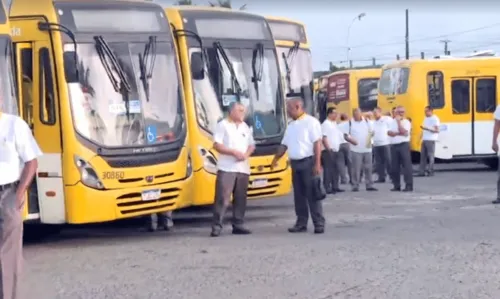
[401, 160]
[227, 184]
[331, 165]
[345, 162]
[361, 163]
[382, 155]
[160, 219]
[11, 255]
[305, 203]
[427, 150]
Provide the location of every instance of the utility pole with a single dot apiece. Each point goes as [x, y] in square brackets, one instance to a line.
[407, 36]
[445, 42]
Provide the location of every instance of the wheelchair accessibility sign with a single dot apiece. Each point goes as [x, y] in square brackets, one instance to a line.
[151, 134]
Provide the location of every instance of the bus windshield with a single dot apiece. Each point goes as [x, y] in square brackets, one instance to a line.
[151, 112]
[8, 102]
[215, 92]
[298, 62]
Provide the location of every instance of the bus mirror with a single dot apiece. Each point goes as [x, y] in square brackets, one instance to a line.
[70, 67]
[197, 66]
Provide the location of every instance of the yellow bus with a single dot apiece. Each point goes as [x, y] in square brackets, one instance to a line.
[463, 93]
[295, 60]
[355, 88]
[227, 56]
[100, 87]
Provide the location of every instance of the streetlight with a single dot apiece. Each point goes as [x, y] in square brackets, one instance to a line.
[358, 17]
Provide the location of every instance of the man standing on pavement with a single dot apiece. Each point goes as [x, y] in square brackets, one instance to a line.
[234, 142]
[18, 164]
[430, 130]
[330, 160]
[381, 144]
[494, 146]
[160, 221]
[302, 140]
[345, 151]
[400, 151]
[361, 131]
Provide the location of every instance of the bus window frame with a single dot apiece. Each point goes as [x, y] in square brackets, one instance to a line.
[440, 103]
[454, 111]
[46, 88]
[494, 104]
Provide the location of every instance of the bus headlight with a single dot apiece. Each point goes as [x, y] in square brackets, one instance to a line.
[88, 175]
[189, 167]
[209, 160]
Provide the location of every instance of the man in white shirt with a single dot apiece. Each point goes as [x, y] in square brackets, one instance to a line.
[400, 132]
[18, 164]
[234, 142]
[361, 131]
[332, 137]
[494, 146]
[302, 140]
[381, 144]
[345, 151]
[430, 134]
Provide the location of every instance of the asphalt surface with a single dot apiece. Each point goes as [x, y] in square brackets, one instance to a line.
[442, 241]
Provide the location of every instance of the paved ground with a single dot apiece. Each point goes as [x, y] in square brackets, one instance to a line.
[442, 241]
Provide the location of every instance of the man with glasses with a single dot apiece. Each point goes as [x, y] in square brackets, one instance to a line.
[400, 132]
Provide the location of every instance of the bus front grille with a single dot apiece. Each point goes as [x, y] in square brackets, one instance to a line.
[131, 203]
[270, 188]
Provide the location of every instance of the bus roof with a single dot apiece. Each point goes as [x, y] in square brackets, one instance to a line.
[284, 19]
[209, 9]
[287, 32]
[360, 72]
[452, 61]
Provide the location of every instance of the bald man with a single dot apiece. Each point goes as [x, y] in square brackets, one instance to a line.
[302, 140]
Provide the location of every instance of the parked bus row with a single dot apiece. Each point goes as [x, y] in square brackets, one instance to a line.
[463, 93]
[123, 97]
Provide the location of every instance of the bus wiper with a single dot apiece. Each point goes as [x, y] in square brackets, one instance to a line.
[237, 86]
[110, 63]
[147, 63]
[257, 70]
[288, 59]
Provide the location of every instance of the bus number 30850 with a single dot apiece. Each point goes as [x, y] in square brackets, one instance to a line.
[113, 175]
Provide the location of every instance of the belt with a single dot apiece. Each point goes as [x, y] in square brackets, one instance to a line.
[8, 186]
[301, 160]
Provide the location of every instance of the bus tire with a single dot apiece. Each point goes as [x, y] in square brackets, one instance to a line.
[40, 232]
[491, 163]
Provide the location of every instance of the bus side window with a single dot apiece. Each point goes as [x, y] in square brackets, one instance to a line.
[460, 96]
[47, 101]
[435, 84]
[27, 85]
[486, 95]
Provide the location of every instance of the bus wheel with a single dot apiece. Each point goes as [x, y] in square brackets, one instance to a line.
[491, 163]
[39, 232]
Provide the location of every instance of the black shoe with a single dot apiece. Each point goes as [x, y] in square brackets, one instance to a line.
[319, 230]
[297, 229]
[420, 175]
[330, 191]
[380, 181]
[339, 190]
[355, 189]
[496, 201]
[215, 232]
[239, 230]
[163, 227]
[371, 189]
[396, 189]
[408, 188]
[151, 229]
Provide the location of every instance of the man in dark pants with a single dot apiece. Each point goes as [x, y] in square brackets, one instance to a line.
[330, 159]
[345, 151]
[400, 151]
[302, 140]
[381, 147]
[234, 141]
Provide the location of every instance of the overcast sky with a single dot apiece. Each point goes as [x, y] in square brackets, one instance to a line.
[381, 33]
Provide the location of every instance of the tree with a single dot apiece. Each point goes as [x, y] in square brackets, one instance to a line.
[184, 2]
[226, 4]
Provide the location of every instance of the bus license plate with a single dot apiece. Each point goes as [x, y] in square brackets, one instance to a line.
[259, 183]
[149, 195]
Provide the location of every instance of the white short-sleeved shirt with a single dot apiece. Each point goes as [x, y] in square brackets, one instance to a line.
[17, 146]
[332, 133]
[236, 137]
[300, 136]
[394, 128]
[361, 131]
[344, 129]
[380, 128]
[430, 122]
[497, 117]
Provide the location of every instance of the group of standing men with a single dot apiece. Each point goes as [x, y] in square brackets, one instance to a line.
[352, 144]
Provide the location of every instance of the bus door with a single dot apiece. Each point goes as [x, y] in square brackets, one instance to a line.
[473, 101]
[39, 107]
